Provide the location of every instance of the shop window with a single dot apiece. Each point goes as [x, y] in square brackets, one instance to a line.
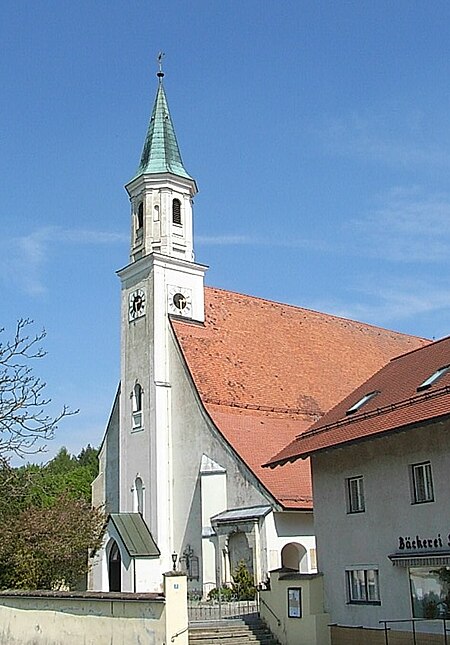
[422, 483]
[176, 212]
[355, 495]
[363, 587]
[430, 591]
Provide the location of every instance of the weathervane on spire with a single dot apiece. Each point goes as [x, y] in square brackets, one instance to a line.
[160, 74]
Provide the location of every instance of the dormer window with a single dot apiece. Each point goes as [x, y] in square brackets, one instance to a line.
[176, 212]
[433, 378]
[361, 402]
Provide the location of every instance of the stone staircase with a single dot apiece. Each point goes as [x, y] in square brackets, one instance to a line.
[231, 631]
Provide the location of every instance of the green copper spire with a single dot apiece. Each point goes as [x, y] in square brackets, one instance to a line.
[161, 152]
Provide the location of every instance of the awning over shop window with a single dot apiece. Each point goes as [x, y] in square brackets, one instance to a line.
[423, 559]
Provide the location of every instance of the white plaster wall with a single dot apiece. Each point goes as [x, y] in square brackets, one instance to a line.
[286, 527]
[213, 494]
[137, 448]
[368, 538]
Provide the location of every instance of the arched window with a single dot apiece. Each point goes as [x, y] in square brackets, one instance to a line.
[140, 216]
[138, 496]
[176, 211]
[115, 568]
[139, 223]
[136, 399]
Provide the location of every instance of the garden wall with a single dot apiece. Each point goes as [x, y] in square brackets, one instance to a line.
[90, 618]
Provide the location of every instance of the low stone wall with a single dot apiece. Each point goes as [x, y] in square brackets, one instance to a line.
[357, 635]
[90, 618]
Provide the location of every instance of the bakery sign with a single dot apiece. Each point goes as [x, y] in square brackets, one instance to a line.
[420, 542]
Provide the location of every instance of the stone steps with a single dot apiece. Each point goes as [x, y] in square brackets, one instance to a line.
[231, 632]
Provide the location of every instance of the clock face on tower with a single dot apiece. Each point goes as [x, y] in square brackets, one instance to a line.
[180, 301]
[136, 304]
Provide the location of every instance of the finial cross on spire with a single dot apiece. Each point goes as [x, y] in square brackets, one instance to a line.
[161, 55]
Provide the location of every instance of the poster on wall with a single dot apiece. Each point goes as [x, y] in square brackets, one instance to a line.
[294, 602]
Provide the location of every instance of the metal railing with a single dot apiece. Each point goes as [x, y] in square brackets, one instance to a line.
[204, 610]
[172, 640]
[263, 602]
[413, 622]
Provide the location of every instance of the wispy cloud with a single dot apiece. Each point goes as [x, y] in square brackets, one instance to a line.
[392, 136]
[255, 241]
[407, 227]
[22, 258]
[391, 303]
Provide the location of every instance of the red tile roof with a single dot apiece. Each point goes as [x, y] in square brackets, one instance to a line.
[397, 405]
[266, 371]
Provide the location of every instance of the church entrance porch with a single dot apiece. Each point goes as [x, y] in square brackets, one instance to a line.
[239, 535]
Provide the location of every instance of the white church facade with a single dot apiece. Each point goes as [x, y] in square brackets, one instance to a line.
[213, 384]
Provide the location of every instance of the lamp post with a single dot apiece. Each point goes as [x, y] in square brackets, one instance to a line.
[174, 560]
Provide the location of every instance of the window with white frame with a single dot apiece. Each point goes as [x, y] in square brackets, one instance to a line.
[363, 586]
[355, 495]
[137, 407]
[422, 483]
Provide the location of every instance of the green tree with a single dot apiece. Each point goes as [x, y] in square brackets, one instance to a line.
[46, 548]
[47, 525]
[243, 584]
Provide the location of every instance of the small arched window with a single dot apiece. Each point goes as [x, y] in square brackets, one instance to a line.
[176, 211]
[138, 496]
[136, 398]
[140, 216]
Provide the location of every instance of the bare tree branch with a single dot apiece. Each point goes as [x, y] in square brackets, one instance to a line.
[25, 424]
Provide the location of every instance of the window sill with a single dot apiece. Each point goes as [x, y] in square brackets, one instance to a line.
[375, 603]
[134, 430]
[356, 512]
[422, 501]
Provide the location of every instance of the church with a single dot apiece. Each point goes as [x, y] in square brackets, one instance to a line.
[213, 384]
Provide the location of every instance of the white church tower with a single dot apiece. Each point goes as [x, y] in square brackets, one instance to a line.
[161, 279]
[172, 478]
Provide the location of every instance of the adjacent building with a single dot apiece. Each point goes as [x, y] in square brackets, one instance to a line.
[380, 465]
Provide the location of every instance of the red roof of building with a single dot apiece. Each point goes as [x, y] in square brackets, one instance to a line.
[399, 403]
[266, 371]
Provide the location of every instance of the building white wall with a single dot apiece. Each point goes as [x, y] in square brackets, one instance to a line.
[366, 539]
[290, 527]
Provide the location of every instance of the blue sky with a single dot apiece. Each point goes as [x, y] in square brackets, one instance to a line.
[318, 133]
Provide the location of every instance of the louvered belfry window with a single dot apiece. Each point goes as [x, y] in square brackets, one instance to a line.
[176, 211]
